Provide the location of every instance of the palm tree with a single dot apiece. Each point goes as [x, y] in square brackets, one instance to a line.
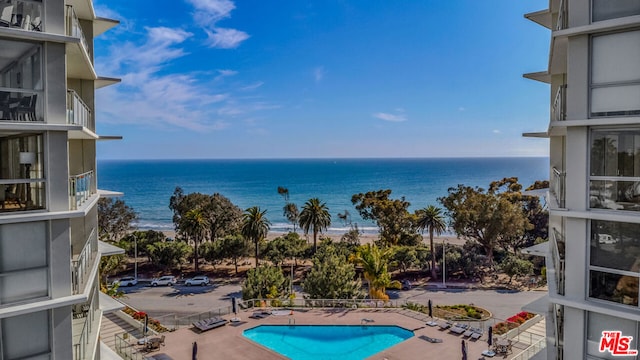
[314, 216]
[292, 214]
[195, 225]
[431, 219]
[255, 226]
[374, 265]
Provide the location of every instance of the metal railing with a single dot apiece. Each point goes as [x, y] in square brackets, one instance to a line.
[558, 186]
[125, 349]
[81, 267]
[557, 255]
[81, 187]
[562, 22]
[81, 341]
[532, 350]
[559, 109]
[74, 29]
[78, 113]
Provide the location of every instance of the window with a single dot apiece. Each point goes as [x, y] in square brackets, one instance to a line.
[22, 182]
[23, 264]
[21, 82]
[614, 272]
[597, 323]
[25, 337]
[613, 9]
[614, 181]
[615, 74]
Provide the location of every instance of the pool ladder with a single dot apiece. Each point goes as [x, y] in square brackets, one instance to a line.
[292, 321]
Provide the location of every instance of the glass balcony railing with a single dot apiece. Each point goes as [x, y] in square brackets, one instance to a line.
[22, 194]
[81, 187]
[558, 186]
[19, 14]
[84, 326]
[559, 109]
[20, 105]
[81, 266]
[557, 255]
[78, 113]
[74, 29]
[562, 22]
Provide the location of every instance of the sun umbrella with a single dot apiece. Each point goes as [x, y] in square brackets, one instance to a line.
[146, 325]
[194, 352]
[464, 350]
[430, 308]
[490, 339]
[233, 306]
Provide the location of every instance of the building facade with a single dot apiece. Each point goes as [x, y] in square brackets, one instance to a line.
[49, 248]
[593, 257]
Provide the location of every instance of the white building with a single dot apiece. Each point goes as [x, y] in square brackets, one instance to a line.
[49, 249]
[593, 260]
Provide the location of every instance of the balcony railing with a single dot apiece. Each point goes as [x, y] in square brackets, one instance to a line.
[78, 113]
[557, 255]
[84, 327]
[20, 105]
[74, 29]
[559, 109]
[562, 22]
[558, 186]
[81, 267]
[18, 14]
[81, 187]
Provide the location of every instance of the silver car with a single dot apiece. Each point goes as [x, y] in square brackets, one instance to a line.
[127, 281]
[165, 280]
[197, 280]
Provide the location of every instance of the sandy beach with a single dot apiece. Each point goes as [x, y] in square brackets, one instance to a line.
[364, 238]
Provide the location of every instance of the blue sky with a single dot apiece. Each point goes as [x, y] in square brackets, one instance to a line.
[321, 78]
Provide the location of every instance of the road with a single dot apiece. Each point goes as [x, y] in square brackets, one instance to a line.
[187, 300]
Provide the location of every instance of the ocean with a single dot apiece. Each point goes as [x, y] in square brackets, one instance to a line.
[148, 184]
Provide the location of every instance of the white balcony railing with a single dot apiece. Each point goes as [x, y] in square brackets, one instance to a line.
[78, 113]
[81, 187]
[557, 255]
[558, 186]
[85, 327]
[559, 109]
[74, 29]
[81, 266]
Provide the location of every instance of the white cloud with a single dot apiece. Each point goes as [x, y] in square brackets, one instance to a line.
[461, 108]
[496, 131]
[252, 86]
[390, 117]
[319, 73]
[222, 38]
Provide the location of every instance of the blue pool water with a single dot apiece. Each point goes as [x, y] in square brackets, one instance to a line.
[343, 342]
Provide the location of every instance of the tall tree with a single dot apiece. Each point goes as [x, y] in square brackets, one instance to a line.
[284, 192]
[315, 216]
[396, 223]
[291, 212]
[255, 226]
[331, 277]
[374, 262]
[196, 226]
[431, 219]
[115, 219]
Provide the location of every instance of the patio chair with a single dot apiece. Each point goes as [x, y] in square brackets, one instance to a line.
[7, 12]
[27, 108]
[5, 110]
[430, 339]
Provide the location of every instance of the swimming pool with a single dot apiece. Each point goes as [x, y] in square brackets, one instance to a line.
[343, 342]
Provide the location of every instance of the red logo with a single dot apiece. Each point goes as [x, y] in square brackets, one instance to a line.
[616, 344]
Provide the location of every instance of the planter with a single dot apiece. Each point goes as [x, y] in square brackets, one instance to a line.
[527, 324]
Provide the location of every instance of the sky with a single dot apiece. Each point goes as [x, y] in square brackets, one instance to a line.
[321, 79]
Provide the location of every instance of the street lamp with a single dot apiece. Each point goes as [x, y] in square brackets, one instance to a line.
[135, 258]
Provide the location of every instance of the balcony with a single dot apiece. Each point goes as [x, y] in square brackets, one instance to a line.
[557, 256]
[557, 187]
[20, 105]
[81, 188]
[74, 29]
[78, 113]
[559, 108]
[561, 22]
[85, 326]
[81, 266]
[24, 15]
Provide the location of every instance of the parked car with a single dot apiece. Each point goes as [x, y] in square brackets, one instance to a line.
[165, 280]
[406, 285]
[197, 280]
[606, 239]
[127, 281]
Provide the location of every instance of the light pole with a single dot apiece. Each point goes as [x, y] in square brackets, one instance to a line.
[291, 283]
[135, 258]
[444, 270]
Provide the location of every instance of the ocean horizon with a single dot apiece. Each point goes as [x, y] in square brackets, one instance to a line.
[148, 184]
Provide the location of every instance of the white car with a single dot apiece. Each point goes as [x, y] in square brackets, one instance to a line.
[197, 280]
[165, 280]
[127, 281]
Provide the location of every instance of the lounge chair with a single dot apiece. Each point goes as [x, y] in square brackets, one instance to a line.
[430, 339]
[366, 321]
[259, 315]
[444, 325]
[432, 323]
[467, 333]
[211, 323]
[457, 329]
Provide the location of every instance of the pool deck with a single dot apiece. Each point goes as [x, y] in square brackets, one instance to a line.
[227, 342]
